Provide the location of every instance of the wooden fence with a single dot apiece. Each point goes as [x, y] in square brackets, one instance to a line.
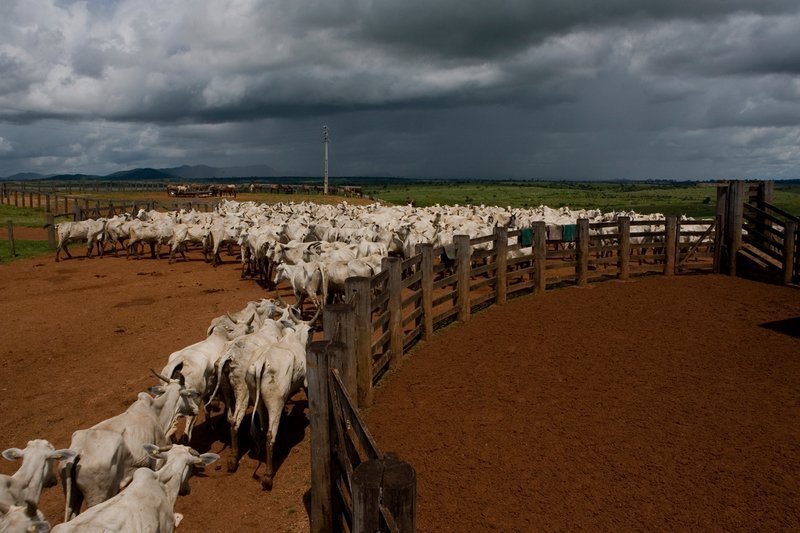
[355, 487]
[82, 207]
[757, 237]
[384, 316]
[411, 298]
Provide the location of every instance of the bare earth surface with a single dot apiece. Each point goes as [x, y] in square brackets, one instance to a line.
[653, 404]
[78, 339]
[657, 404]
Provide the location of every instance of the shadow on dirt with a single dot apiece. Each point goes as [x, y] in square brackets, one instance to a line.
[209, 434]
[789, 326]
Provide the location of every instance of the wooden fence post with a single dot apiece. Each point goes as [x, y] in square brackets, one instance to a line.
[624, 263]
[338, 325]
[790, 234]
[16, 201]
[501, 264]
[463, 268]
[400, 491]
[719, 239]
[540, 256]
[582, 252]
[394, 286]
[426, 249]
[47, 202]
[358, 292]
[51, 231]
[76, 209]
[366, 484]
[12, 250]
[670, 245]
[39, 199]
[735, 221]
[389, 482]
[319, 414]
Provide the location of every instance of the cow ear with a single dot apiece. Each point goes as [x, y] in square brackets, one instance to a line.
[208, 458]
[152, 450]
[63, 455]
[13, 453]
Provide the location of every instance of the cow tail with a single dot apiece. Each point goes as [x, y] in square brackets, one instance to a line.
[69, 487]
[259, 376]
[324, 273]
[222, 362]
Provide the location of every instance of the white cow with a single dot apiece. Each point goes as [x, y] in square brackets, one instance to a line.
[110, 452]
[235, 371]
[147, 504]
[22, 519]
[337, 273]
[35, 473]
[278, 371]
[195, 363]
[262, 309]
[91, 230]
[308, 279]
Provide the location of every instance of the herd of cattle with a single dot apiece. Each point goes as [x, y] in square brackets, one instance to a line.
[315, 247]
[125, 469]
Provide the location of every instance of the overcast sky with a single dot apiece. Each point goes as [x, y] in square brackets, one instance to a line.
[557, 89]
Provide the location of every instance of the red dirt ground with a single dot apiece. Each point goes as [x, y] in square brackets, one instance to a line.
[78, 339]
[656, 404]
[653, 404]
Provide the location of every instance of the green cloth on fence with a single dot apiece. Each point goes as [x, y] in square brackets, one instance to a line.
[526, 237]
[569, 233]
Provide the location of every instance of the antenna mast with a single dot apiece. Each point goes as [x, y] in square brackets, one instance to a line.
[325, 172]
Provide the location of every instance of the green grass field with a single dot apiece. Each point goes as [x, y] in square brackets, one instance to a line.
[22, 216]
[24, 249]
[668, 198]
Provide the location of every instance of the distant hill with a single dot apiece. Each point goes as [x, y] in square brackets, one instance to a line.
[142, 174]
[185, 172]
[199, 172]
[23, 176]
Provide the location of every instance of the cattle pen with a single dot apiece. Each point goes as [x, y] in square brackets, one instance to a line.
[384, 317]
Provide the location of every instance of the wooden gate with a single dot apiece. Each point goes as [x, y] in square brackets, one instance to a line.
[758, 238]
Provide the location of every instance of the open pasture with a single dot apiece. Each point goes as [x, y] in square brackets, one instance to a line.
[668, 198]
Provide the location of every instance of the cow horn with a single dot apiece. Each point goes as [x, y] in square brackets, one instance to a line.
[162, 449]
[227, 314]
[252, 317]
[306, 322]
[159, 376]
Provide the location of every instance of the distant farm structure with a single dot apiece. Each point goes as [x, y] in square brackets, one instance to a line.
[201, 191]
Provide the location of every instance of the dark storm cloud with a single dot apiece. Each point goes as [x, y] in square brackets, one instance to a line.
[549, 88]
[487, 28]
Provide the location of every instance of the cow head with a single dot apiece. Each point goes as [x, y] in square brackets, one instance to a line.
[174, 399]
[22, 518]
[37, 459]
[180, 463]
